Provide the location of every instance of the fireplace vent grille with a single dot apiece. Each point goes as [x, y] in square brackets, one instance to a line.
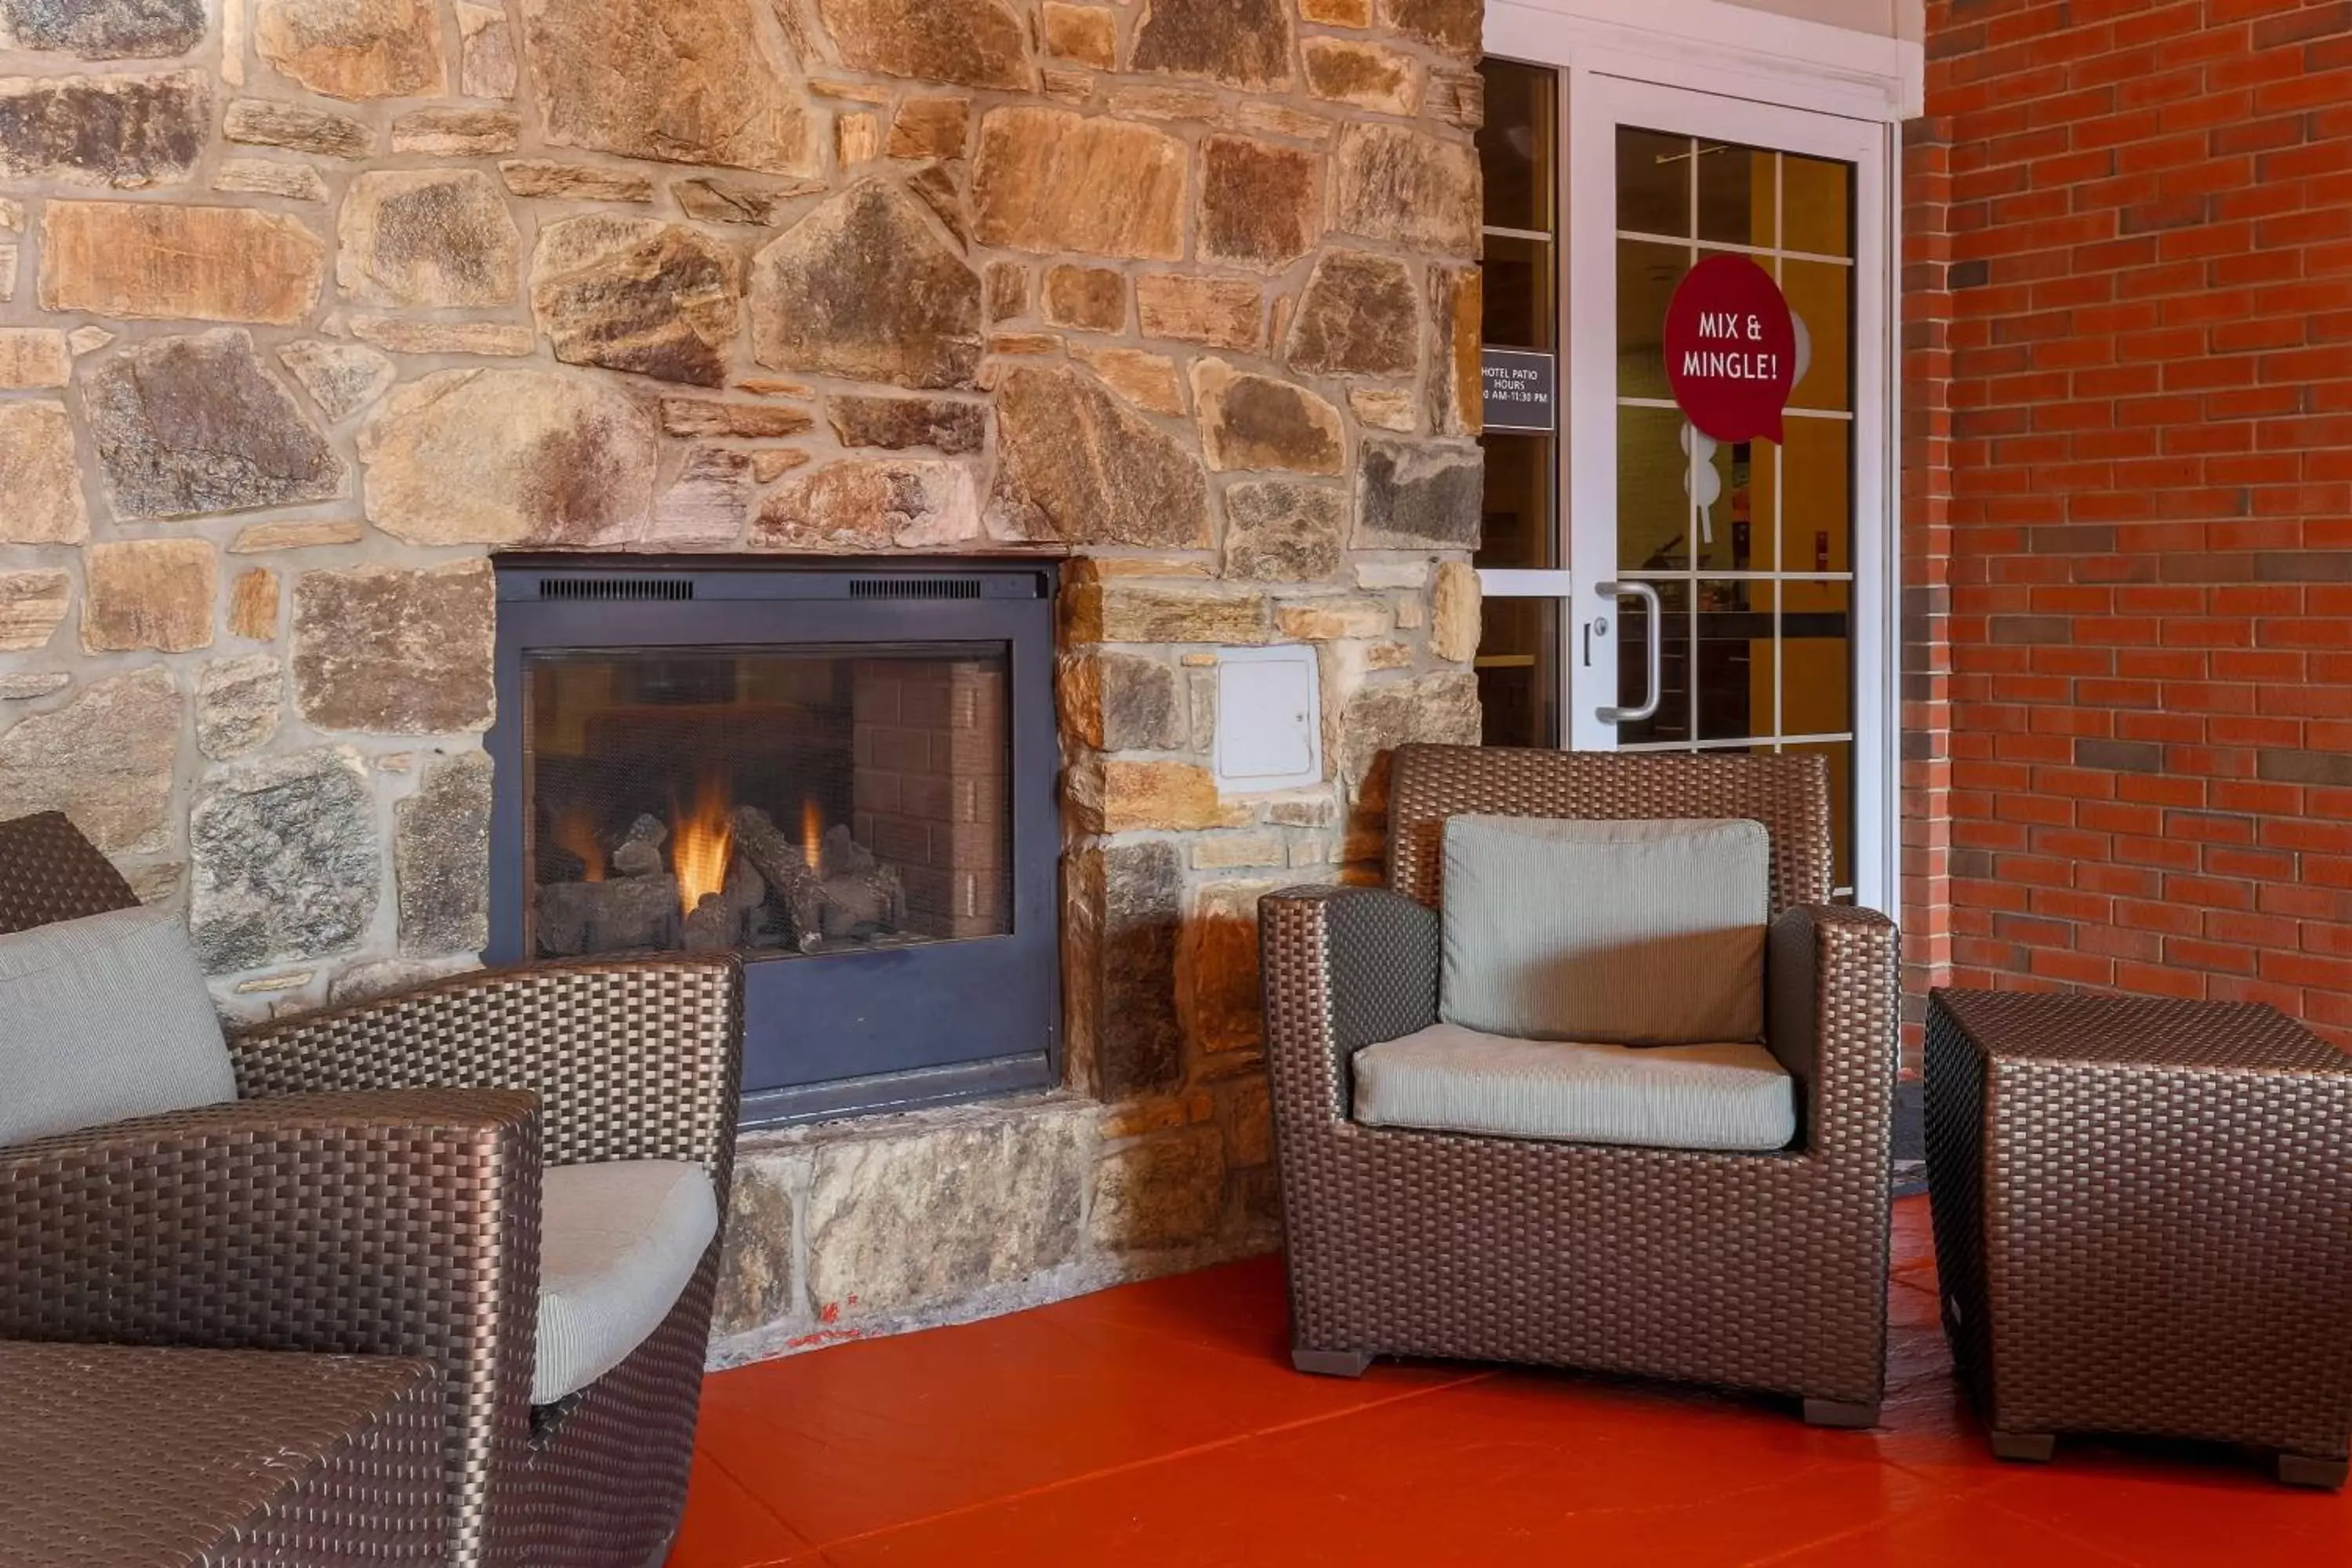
[914, 587]
[610, 588]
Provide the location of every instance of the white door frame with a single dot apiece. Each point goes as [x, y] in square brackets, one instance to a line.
[1754, 78]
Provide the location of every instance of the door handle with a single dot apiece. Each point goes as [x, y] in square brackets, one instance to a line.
[1656, 651]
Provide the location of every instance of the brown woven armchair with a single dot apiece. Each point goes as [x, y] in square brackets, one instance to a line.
[374, 1189]
[1764, 1271]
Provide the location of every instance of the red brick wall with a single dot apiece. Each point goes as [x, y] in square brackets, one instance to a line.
[2150, 632]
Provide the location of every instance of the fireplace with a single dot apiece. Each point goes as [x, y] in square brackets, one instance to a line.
[842, 773]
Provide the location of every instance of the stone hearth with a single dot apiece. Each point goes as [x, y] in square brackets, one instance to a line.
[306, 309]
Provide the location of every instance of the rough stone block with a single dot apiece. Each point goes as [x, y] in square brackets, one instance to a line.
[34, 357]
[106, 29]
[1113, 794]
[39, 475]
[187, 425]
[105, 759]
[1217, 969]
[1092, 299]
[148, 594]
[283, 859]
[270, 177]
[1407, 187]
[1121, 922]
[1454, 25]
[373, 48]
[929, 128]
[341, 378]
[1261, 205]
[441, 858]
[992, 1203]
[1412, 494]
[399, 335]
[1454, 606]
[160, 262]
[755, 1262]
[709, 501]
[1087, 34]
[1049, 180]
[897, 423]
[974, 43]
[124, 132]
[239, 703]
[1145, 379]
[488, 54]
[548, 179]
[1221, 312]
[548, 458]
[862, 288]
[1117, 611]
[449, 133]
[429, 238]
[1079, 466]
[1364, 75]
[906, 503]
[263, 124]
[637, 294]
[390, 650]
[684, 81]
[1256, 422]
[1328, 620]
[253, 604]
[1360, 315]
[32, 604]
[1240, 43]
[1277, 532]
[1456, 398]
[1163, 1193]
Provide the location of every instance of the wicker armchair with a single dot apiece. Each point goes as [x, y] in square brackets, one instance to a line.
[1764, 1271]
[375, 1190]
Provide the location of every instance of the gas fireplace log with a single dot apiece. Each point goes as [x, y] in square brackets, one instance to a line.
[612, 916]
[761, 843]
[639, 854]
[723, 918]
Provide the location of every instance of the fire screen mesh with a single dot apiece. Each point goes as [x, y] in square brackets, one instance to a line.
[778, 801]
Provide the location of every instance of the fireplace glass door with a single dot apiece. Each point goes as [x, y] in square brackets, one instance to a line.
[783, 802]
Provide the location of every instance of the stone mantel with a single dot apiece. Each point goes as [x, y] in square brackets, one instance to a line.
[308, 309]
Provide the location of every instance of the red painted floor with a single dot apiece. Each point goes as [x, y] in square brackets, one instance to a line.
[1161, 1424]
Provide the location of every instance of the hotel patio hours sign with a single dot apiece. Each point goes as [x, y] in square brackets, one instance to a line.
[1731, 349]
[1518, 390]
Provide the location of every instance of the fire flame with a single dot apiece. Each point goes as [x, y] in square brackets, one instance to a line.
[811, 832]
[575, 833]
[702, 842]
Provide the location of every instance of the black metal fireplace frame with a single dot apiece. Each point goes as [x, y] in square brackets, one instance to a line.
[830, 1033]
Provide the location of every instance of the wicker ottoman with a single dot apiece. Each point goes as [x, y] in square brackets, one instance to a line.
[2144, 1221]
[116, 1456]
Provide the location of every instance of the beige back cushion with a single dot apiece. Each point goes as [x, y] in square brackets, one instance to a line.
[102, 1019]
[1623, 933]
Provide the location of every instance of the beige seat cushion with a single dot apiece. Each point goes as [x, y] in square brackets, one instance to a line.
[618, 1243]
[1452, 1079]
[1637, 933]
[102, 1019]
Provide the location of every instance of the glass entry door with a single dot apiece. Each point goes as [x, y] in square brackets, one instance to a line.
[1730, 597]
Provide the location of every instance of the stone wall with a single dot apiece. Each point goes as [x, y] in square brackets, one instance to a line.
[309, 306]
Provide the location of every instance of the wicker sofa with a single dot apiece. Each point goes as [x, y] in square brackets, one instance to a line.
[374, 1189]
[1758, 1270]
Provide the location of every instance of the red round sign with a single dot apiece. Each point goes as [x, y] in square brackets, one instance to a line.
[1731, 349]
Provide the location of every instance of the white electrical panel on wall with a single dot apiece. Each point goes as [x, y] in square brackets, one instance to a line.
[1269, 720]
